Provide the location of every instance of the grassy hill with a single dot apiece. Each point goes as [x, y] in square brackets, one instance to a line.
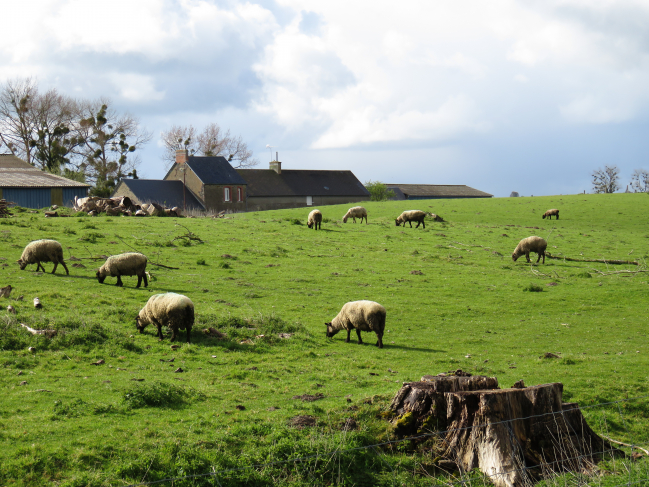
[454, 300]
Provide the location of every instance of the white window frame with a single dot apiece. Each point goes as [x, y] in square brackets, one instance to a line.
[309, 200]
[227, 197]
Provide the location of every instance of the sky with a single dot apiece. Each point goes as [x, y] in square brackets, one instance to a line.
[527, 96]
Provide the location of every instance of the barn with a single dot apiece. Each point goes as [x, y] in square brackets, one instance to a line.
[29, 187]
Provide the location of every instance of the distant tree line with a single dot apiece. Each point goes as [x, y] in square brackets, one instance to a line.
[89, 141]
[607, 180]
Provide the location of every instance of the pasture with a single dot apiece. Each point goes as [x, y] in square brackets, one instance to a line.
[454, 300]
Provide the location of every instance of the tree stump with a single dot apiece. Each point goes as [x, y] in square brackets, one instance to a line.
[514, 436]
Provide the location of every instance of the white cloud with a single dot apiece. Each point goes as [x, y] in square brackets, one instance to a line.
[136, 87]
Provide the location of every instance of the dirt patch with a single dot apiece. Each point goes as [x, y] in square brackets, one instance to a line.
[349, 424]
[309, 397]
[417, 273]
[302, 421]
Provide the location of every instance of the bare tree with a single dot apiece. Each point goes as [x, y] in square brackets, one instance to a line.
[16, 121]
[640, 181]
[606, 180]
[108, 142]
[210, 142]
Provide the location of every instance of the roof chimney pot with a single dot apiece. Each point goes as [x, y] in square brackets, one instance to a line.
[276, 166]
[182, 156]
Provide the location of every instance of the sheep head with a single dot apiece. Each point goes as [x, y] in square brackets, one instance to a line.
[398, 221]
[22, 264]
[330, 330]
[100, 278]
[140, 327]
[515, 256]
[345, 219]
[309, 224]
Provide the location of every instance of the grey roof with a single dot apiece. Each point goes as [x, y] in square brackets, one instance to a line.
[213, 170]
[16, 173]
[438, 191]
[266, 182]
[169, 193]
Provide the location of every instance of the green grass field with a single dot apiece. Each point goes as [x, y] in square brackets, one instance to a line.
[257, 275]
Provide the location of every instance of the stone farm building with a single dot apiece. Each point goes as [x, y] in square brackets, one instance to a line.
[211, 183]
[29, 187]
[434, 191]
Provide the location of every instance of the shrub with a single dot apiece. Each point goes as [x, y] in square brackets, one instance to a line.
[160, 395]
[200, 262]
[533, 288]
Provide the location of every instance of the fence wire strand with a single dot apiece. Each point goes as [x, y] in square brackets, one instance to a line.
[338, 452]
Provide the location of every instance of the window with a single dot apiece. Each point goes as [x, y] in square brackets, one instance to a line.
[226, 194]
[309, 200]
[240, 194]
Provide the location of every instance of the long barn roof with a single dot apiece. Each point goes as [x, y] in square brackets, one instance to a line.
[302, 182]
[16, 173]
[438, 190]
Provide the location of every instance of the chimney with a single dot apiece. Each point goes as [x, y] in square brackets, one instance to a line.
[181, 156]
[276, 166]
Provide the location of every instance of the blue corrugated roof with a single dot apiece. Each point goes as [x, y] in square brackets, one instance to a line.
[168, 193]
[214, 170]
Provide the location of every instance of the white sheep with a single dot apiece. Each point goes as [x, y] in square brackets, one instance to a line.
[315, 219]
[411, 216]
[359, 315]
[530, 244]
[550, 213]
[43, 251]
[356, 212]
[127, 264]
[173, 310]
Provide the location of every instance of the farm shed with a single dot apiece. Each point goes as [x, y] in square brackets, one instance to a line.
[27, 186]
[164, 193]
[435, 191]
[274, 188]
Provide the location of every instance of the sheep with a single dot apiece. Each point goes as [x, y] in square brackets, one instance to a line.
[356, 212]
[411, 216]
[315, 219]
[43, 251]
[361, 315]
[530, 244]
[551, 213]
[127, 264]
[173, 310]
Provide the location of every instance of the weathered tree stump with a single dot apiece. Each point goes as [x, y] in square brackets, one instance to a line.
[514, 436]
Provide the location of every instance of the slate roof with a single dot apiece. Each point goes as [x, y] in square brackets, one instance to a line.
[213, 170]
[16, 173]
[169, 193]
[438, 191]
[293, 182]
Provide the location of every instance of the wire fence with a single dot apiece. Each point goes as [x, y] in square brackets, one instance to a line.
[625, 464]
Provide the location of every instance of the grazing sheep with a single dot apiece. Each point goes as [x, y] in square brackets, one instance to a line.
[411, 216]
[128, 264]
[43, 251]
[173, 310]
[362, 316]
[356, 212]
[530, 244]
[551, 213]
[315, 219]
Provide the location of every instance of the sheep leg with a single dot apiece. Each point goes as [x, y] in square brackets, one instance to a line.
[173, 334]
[349, 331]
[188, 333]
[65, 267]
[146, 280]
[157, 323]
[410, 223]
[527, 256]
[358, 332]
[119, 281]
[379, 343]
[56, 264]
[139, 281]
[38, 264]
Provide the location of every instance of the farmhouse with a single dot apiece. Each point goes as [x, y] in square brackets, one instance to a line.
[435, 191]
[211, 183]
[274, 188]
[204, 183]
[27, 186]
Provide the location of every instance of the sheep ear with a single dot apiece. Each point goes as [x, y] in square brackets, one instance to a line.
[327, 324]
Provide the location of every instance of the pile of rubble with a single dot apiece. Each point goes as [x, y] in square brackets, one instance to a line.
[4, 208]
[121, 205]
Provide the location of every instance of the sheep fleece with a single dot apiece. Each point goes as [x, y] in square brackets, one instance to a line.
[173, 310]
[530, 244]
[127, 264]
[42, 251]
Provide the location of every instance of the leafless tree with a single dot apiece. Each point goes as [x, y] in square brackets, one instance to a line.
[606, 180]
[210, 142]
[108, 142]
[16, 121]
[640, 181]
